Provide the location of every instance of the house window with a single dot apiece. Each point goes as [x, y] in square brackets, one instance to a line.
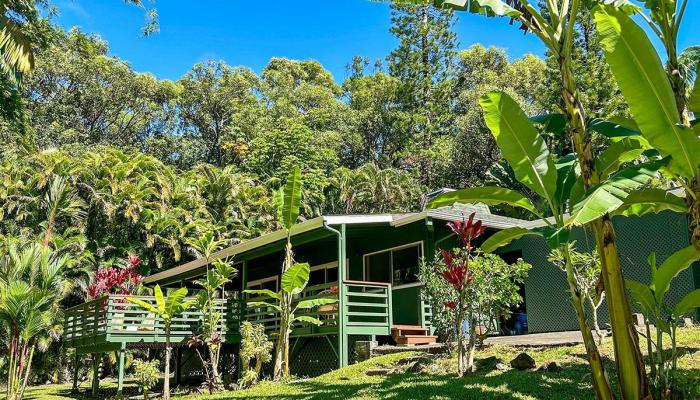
[265, 283]
[398, 266]
[323, 273]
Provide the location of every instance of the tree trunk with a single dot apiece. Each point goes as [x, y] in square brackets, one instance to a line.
[471, 347]
[594, 316]
[168, 350]
[426, 94]
[460, 343]
[628, 357]
[601, 385]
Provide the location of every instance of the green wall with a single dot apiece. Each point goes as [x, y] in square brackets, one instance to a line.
[548, 304]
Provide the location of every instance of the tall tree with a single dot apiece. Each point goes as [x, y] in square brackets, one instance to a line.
[220, 110]
[423, 62]
[471, 152]
[79, 95]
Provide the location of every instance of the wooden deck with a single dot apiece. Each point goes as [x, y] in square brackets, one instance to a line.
[111, 323]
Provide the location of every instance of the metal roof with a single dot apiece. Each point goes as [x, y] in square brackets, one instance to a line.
[449, 213]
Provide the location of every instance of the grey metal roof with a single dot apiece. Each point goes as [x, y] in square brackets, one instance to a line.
[449, 213]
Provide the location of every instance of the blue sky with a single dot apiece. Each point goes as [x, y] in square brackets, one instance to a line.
[250, 33]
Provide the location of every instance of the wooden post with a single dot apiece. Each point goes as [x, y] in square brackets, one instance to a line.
[178, 361]
[342, 317]
[95, 374]
[120, 381]
[243, 307]
[76, 367]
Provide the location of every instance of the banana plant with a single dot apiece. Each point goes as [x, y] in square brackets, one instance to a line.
[644, 83]
[553, 22]
[553, 180]
[166, 309]
[651, 301]
[293, 282]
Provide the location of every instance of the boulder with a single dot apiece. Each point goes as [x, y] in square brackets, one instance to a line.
[488, 363]
[523, 361]
[550, 366]
[502, 367]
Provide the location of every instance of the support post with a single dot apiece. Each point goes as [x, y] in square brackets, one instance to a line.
[243, 308]
[76, 367]
[120, 379]
[178, 362]
[95, 374]
[342, 316]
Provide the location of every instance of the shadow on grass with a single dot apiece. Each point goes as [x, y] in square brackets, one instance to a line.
[571, 383]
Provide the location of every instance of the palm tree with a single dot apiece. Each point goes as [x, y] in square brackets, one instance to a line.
[60, 202]
[166, 309]
[31, 286]
[16, 56]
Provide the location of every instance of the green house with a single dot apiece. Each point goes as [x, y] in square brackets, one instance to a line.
[370, 264]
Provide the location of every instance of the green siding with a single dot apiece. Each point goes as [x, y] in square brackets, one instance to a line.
[406, 303]
[548, 304]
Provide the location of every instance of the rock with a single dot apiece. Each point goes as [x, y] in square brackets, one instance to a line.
[550, 366]
[378, 371]
[502, 367]
[687, 322]
[523, 361]
[488, 363]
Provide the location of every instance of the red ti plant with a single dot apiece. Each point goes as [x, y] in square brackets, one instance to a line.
[112, 280]
[455, 270]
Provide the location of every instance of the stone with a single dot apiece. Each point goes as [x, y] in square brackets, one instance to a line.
[550, 366]
[363, 349]
[502, 367]
[687, 322]
[488, 363]
[523, 361]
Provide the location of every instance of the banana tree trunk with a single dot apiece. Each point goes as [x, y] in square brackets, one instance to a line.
[601, 384]
[168, 351]
[628, 357]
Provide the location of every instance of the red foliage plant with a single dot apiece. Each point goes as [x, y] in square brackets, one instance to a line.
[113, 280]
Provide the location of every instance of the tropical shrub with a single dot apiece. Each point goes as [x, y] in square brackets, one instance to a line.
[255, 346]
[218, 273]
[295, 277]
[146, 374]
[586, 269]
[32, 284]
[113, 280]
[481, 289]
[166, 308]
[665, 317]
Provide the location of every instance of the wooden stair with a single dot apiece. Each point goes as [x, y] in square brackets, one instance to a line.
[411, 335]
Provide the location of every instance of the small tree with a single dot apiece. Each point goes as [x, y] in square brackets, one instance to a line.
[482, 288]
[212, 285]
[586, 268]
[294, 280]
[166, 309]
[254, 346]
[146, 374]
[32, 284]
[666, 317]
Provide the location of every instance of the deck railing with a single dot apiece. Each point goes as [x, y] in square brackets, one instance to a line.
[367, 307]
[367, 310]
[112, 319]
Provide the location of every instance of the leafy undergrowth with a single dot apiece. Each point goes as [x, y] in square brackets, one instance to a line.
[438, 380]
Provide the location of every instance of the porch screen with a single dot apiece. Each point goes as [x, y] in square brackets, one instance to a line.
[397, 266]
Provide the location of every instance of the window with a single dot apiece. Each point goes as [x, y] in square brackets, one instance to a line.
[265, 283]
[323, 273]
[398, 266]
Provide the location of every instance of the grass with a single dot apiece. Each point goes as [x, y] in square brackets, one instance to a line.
[438, 382]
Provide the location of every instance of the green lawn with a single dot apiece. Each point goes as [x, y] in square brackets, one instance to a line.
[352, 382]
